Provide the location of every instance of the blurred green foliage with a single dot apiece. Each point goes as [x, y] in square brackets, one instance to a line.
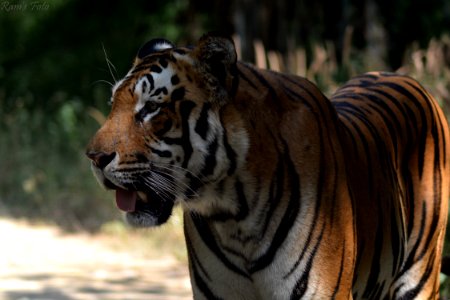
[54, 88]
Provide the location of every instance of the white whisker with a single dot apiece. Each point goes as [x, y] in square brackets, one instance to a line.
[176, 183]
[165, 187]
[178, 170]
[157, 188]
[166, 180]
[110, 64]
[103, 81]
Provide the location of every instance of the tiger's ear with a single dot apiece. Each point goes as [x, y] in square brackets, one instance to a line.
[218, 55]
[150, 47]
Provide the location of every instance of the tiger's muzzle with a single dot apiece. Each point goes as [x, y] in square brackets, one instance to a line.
[144, 206]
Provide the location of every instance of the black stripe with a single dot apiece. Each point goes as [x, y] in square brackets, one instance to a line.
[349, 134]
[405, 92]
[275, 194]
[194, 185]
[196, 265]
[412, 255]
[231, 155]
[155, 69]
[397, 249]
[175, 80]
[203, 286]
[385, 108]
[320, 189]
[433, 227]
[297, 95]
[209, 240]
[428, 103]
[372, 284]
[300, 286]
[412, 293]
[393, 100]
[210, 160]
[160, 90]
[293, 95]
[164, 153]
[242, 212]
[186, 108]
[437, 142]
[243, 76]
[380, 144]
[202, 126]
[177, 94]
[341, 270]
[288, 219]
[141, 67]
[163, 62]
[409, 184]
[172, 141]
[312, 230]
[144, 87]
[263, 81]
[408, 115]
[242, 200]
[362, 139]
[317, 99]
[302, 283]
[151, 81]
[193, 257]
[390, 119]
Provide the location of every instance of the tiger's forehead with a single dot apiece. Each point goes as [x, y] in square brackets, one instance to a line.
[155, 75]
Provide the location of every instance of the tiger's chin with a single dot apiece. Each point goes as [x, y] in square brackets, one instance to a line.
[150, 210]
[143, 207]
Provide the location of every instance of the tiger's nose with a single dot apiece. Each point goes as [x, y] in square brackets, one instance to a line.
[100, 159]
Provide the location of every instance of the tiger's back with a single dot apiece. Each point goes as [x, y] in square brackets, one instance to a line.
[395, 140]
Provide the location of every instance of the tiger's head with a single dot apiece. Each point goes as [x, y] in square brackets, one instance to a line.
[169, 136]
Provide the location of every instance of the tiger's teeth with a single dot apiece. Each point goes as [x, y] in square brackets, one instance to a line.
[142, 196]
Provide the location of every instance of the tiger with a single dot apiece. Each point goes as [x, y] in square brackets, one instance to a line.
[286, 194]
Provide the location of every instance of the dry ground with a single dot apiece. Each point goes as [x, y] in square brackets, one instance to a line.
[40, 262]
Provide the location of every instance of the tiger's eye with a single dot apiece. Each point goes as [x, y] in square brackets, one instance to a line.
[149, 107]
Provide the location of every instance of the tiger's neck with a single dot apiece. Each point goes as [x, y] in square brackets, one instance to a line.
[261, 198]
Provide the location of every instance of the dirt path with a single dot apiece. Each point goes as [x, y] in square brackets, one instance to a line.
[38, 262]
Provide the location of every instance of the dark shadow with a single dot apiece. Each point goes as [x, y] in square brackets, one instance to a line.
[76, 285]
[47, 294]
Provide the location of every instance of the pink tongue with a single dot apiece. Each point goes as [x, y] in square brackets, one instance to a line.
[126, 200]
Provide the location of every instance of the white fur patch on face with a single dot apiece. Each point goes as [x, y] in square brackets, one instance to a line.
[162, 45]
[115, 87]
[153, 87]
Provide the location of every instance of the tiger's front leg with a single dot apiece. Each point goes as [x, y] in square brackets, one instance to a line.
[214, 275]
[317, 268]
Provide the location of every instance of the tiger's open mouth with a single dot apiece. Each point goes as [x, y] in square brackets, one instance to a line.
[144, 208]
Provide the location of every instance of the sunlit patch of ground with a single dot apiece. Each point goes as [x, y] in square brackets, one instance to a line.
[40, 262]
